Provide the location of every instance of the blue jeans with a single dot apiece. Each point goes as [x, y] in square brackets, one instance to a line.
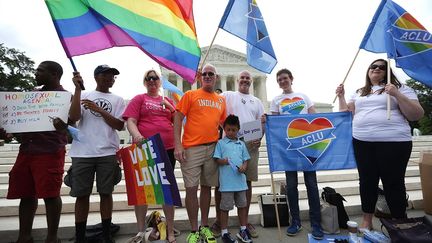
[312, 193]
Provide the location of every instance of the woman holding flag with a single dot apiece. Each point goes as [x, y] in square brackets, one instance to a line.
[382, 145]
[146, 115]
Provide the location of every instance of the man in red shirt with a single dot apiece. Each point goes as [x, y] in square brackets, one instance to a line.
[38, 170]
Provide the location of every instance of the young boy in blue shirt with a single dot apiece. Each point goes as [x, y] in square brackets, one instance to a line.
[232, 156]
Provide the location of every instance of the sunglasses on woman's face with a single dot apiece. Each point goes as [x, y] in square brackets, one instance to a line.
[152, 78]
[381, 67]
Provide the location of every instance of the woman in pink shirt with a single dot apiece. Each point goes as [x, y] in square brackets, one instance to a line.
[146, 115]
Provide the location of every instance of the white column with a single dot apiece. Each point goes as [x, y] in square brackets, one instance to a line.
[223, 79]
[251, 88]
[179, 82]
[263, 92]
[258, 88]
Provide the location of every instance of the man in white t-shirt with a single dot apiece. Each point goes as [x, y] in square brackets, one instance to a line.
[248, 108]
[99, 114]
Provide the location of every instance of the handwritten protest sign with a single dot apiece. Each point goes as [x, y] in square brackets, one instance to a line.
[250, 130]
[31, 111]
[148, 173]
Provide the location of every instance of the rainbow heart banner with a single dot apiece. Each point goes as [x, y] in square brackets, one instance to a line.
[309, 142]
[149, 175]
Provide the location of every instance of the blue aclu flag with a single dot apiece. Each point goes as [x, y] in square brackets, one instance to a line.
[243, 19]
[308, 142]
[396, 32]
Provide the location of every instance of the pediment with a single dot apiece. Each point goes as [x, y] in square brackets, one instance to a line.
[222, 54]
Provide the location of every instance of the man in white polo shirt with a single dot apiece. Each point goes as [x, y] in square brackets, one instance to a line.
[248, 108]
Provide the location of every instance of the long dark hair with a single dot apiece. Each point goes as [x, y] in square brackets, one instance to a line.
[365, 90]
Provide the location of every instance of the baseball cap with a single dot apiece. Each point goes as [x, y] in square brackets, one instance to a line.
[105, 68]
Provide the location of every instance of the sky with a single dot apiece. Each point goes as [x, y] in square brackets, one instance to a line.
[316, 39]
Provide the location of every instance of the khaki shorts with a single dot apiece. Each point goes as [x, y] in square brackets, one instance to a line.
[229, 198]
[200, 166]
[252, 169]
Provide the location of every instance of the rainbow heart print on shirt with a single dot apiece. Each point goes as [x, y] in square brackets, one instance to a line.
[311, 139]
[292, 106]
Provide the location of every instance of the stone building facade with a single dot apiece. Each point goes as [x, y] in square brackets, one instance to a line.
[228, 64]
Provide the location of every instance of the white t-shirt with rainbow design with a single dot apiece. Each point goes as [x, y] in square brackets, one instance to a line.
[293, 103]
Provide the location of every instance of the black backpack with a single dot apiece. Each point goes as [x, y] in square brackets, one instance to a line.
[332, 197]
[416, 230]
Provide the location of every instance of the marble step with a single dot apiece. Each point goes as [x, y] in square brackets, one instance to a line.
[345, 188]
[6, 164]
[127, 221]
[262, 169]
[9, 152]
[263, 178]
[425, 140]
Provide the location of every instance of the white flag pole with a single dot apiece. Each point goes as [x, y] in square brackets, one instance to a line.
[275, 206]
[388, 82]
[349, 70]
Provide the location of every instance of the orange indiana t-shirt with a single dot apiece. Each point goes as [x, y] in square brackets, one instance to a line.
[204, 112]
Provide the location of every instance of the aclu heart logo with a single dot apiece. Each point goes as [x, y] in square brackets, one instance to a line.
[292, 106]
[311, 139]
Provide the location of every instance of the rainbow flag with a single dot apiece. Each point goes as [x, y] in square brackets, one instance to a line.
[164, 30]
[148, 174]
[309, 142]
[396, 32]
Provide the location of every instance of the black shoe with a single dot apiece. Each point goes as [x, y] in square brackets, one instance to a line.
[81, 241]
[107, 240]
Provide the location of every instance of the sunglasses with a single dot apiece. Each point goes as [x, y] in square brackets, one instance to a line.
[381, 67]
[152, 78]
[210, 74]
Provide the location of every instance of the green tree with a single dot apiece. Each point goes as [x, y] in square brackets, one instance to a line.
[16, 70]
[425, 98]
